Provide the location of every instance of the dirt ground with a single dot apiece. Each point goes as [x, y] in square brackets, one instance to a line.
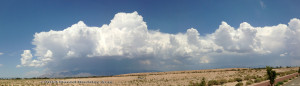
[173, 78]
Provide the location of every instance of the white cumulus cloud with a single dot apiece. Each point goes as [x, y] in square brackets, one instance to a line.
[127, 43]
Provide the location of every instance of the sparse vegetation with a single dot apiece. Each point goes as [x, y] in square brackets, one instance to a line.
[257, 80]
[203, 83]
[238, 79]
[239, 84]
[248, 77]
[279, 83]
[249, 82]
[213, 82]
[180, 78]
[223, 81]
[231, 80]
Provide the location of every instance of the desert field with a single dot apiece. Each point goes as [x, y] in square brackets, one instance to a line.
[216, 77]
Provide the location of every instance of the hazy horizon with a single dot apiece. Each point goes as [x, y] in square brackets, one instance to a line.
[86, 38]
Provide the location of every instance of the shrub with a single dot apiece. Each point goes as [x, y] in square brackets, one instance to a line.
[253, 77]
[231, 80]
[239, 84]
[285, 80]
[203, 83]
[249, 82]
[223, 81]
[238, 79]
[257, 80]
[279, 83]
[192, 84]
[213, 82]
[265, 77]
[197, 84]
[247, 77]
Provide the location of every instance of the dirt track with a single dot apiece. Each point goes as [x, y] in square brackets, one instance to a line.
[267, 83]
[295, 82]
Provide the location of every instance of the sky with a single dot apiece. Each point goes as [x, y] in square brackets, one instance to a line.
[57, 38]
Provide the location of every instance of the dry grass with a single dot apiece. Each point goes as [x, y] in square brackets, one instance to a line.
[174, 78]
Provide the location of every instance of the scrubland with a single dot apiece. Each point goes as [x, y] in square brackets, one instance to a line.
[224, 77]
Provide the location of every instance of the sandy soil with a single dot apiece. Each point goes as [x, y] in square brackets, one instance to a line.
[174, 78]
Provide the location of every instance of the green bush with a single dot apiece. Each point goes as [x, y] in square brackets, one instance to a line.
[257, 80]
[203, 83]
[238, 79]
[279, 83]
[223, 81]
[198, 84]
[239, 84]
[213, 82]
[249, 82]
[285, 80]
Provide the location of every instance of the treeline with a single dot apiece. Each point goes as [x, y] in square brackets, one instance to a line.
[275, 67]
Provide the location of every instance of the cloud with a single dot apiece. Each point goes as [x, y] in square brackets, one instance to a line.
[145, 62]
[262, 5]
[284, 54]
[1, 53]
[26, 59]
[127, 45]
[32, 73]
[1, 65]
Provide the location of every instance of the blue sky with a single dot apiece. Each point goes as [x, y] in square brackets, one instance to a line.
[20, 20]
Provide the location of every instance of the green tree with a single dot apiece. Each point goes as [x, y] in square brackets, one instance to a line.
[299, 70]
[271, 75]
[203, 83]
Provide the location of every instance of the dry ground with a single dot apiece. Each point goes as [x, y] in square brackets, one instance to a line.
[173, 78]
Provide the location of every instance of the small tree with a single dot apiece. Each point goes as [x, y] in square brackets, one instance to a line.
[299, 70]
[203, 83]
[271, 75]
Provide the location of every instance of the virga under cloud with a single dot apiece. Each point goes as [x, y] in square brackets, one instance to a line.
[126, 44]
